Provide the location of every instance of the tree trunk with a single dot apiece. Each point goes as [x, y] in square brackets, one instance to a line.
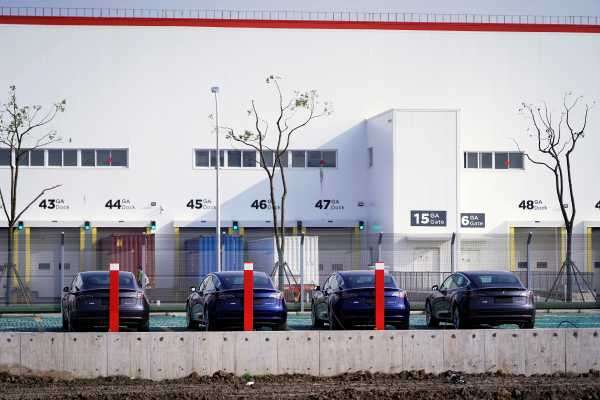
[9, 264]
[569, 263]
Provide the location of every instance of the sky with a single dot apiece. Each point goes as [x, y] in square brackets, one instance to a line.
[503, 7]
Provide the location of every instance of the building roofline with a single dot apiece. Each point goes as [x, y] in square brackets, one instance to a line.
[345, 20]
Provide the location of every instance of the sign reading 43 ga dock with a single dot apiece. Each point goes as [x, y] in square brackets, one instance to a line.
[427, 218]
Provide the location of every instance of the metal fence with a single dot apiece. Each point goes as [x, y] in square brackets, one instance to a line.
[174, 263]
[298, 15]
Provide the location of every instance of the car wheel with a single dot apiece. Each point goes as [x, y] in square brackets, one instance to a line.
[144, 326]
[208, 324]
[527, 325]
[403, 326]
[65, 323]
[189, 322]
[430, 319]
[281, 327]
[457, 319]
[316, 322]
[333, 321]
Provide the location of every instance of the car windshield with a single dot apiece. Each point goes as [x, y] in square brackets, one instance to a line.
[261, 281]
[489, 280]
[100, 280]
[353, 281]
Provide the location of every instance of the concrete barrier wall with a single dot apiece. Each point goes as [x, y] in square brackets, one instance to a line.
[167, 355]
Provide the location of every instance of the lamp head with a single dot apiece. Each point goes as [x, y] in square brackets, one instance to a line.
[214, 89]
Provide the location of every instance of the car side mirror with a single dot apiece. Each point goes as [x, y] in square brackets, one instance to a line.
[318, 288]
[66, 289]
[435, 288]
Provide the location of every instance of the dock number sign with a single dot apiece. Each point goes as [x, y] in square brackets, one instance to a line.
[427, 218]
[472, 220]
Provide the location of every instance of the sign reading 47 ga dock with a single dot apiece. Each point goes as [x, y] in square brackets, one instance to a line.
[427, 218]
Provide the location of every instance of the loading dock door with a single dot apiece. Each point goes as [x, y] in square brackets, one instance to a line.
[426, 267]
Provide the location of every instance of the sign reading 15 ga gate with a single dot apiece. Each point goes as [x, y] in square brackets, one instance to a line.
[427, 218]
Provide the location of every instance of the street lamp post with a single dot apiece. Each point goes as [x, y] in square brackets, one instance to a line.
[215, 90]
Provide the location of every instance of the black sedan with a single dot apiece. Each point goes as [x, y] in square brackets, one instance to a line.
[85, 303]
[218, 303]
[347, 300]
[468, 299]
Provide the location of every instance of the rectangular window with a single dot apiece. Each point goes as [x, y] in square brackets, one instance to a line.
[213, 158]
[522, 264]
[36, 158]
[44, 266]
[202, 158]
[515, 160]
[119, 158]
[501, 160]
[267, 155]
[111, 158]
[370, 154]
[249, 158]
[472, 160]
[313, 159]
[283, 159]
[298, 159]
[23, 158]
[542, 264]
[329, 158]
[5, 157]
[485, 160]
[88, 158]
[234, 158]
[70, 158]
[55, 158]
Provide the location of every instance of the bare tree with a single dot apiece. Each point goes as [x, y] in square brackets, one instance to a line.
[19, 127]
[291, 116]
[556, 142]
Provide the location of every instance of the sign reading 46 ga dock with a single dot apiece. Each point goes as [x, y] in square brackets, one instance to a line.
[427, 218]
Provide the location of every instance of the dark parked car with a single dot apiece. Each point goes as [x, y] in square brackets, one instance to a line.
[347, 299]
[218, 303]
[468, 299]
[85, 302]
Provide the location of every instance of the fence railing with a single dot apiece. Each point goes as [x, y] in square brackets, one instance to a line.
[176, 288]
[299, 15]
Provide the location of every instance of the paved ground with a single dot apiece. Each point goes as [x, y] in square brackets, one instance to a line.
[410, 385]
[296, 321]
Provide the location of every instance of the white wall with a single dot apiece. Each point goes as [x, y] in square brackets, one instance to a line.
[147, 89]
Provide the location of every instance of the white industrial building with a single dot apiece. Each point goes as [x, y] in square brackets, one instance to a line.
[423, 131]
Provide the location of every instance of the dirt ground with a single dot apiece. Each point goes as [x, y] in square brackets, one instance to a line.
[412, 385]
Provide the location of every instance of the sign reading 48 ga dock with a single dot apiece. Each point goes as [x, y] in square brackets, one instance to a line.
[427, 218]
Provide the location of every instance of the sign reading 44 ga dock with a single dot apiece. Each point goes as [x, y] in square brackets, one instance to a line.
[427, 218]
[472, 220]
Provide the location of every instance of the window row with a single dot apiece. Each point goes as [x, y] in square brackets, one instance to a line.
[495, 160]
[67, 158]
[251, 158]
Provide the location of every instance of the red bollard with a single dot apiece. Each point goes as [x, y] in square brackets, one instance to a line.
[379, 297]
[248, 296]
[113, 298]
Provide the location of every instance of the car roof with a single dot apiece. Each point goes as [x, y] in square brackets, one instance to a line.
[233, 273]
[84, 273]
[357, 272]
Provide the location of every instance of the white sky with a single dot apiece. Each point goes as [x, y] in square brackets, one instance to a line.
[523, 7]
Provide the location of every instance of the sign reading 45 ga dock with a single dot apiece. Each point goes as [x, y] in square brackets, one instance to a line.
[427, 218]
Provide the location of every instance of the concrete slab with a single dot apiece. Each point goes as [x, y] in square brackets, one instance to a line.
[42, 352]
[339, 352]
[171, 355]
[10, 352]
[505, 350]
[85, 354]
[214, 351]
[423, 350]
[129, 354]
[582, 350]
[464, 351]
[298, 352]
[256, 353]
[544, 351]
[381, 351]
